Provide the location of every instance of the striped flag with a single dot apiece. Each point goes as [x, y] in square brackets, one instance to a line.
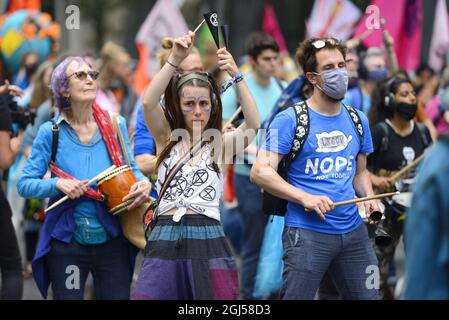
[332, 18]
[439, 44]
[164, 20]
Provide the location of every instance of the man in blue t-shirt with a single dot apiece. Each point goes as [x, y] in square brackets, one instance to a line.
[330, 168]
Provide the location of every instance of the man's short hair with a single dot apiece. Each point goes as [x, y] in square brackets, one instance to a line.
[306, 52]
[258, 42]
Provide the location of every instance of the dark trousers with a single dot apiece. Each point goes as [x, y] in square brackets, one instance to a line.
[69, 264]
[10, 260]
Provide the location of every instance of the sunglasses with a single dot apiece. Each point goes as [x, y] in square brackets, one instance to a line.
[82, 75]
[321, 43]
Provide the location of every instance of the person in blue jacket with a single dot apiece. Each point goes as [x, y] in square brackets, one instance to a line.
[80, 236]
[426, 233]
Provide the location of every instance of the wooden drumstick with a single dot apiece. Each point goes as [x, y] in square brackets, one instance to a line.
[167, 42]
[394, 177]
[233, 117]
[199, 26]
[357, 200]
[94, 179]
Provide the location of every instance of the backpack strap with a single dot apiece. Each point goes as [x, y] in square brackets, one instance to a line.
[423, 132]
[384, 143]
[54, 146]
[356, 120]
[301, 133]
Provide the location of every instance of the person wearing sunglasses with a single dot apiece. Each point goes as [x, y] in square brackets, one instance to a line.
[187, 254]
[331, 167]
[80, 236]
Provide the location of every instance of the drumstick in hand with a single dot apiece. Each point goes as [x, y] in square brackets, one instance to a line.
[397, 175]
[233, 117]
[94, 179]
[357, 200]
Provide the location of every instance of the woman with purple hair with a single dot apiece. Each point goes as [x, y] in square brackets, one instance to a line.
[80, 236]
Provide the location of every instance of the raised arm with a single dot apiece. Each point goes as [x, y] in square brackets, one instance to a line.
[247, 131]
[153, 112]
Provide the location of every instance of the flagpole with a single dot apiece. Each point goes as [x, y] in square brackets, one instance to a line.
[199, 26]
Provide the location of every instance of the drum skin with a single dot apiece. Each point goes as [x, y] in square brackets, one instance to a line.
[115, 186]
[401, 202]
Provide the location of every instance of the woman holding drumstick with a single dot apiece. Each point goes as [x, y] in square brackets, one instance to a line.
[187, 255]
[398, 142]
[80, 236]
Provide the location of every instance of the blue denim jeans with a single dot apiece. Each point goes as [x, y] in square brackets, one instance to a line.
[230, 219]
[253, 222]
[68, 265]
[349, 259]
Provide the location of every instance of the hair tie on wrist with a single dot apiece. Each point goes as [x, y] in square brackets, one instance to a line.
[176, 67]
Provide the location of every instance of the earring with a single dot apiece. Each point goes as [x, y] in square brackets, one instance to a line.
[66, 102]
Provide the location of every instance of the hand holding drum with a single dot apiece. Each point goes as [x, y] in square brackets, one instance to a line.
[122, 191]
[138, 194]
[74, 190]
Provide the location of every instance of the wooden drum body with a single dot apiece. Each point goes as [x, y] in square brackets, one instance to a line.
[115, 186]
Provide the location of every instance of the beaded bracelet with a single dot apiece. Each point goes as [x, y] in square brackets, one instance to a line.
[237, 78]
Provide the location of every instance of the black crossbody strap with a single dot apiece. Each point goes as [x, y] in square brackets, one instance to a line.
[54, 146]
[181, 162]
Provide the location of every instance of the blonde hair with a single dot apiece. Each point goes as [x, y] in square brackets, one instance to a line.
[109, 53]
[41, 91]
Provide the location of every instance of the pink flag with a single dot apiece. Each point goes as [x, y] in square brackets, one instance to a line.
[164, 20]
[403, 22]
[270, 25]
[440, 38]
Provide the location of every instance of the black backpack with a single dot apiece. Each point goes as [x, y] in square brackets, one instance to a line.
[273, 205]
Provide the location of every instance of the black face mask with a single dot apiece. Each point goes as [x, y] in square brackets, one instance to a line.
[31, 69]
[406, 110]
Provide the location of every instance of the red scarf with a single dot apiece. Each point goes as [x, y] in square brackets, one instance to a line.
[107, 132]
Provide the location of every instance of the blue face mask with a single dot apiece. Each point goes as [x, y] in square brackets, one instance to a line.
[335, 83]
[378, 74]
